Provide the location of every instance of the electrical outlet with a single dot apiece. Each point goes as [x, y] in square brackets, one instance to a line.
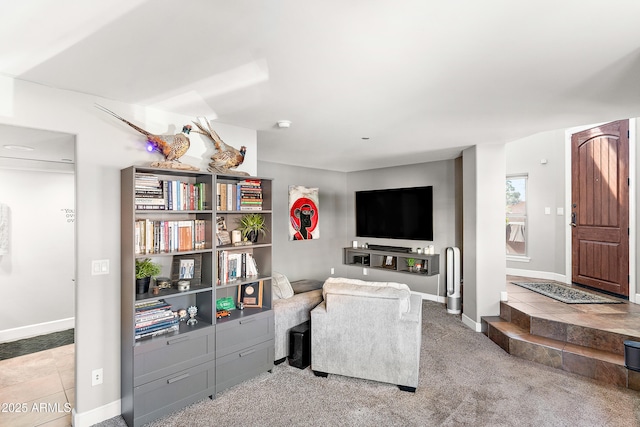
[365, 271]
[333, 270]
[96, 377]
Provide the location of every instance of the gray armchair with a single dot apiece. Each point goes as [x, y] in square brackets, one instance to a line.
[369, 330]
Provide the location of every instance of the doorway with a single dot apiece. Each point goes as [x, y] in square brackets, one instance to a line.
[37, 271]
[600, 207]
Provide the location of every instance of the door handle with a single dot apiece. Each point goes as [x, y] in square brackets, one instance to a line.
[574, 219]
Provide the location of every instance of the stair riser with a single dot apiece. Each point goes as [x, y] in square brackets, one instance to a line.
[573, 334]
[599, 370]
[596, 369]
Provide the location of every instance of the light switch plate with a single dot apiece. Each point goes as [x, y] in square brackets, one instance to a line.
[99, 266]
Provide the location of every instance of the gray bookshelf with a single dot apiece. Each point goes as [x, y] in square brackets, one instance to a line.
[167, 372]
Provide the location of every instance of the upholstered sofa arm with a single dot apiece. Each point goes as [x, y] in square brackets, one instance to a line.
[290, 312]
[358, 288]
[414, 315]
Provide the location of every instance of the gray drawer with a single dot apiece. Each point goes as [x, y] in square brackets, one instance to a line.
[164, 395]
[240, 366]
[236, 335]
[162, 357]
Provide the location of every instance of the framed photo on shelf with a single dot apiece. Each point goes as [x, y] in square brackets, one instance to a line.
[187, 267]
[389, 262]
[250, 294]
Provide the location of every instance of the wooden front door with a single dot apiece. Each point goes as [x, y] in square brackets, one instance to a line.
[600, 207]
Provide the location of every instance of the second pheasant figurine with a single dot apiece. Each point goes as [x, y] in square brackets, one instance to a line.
[226, 158]
[172, 147]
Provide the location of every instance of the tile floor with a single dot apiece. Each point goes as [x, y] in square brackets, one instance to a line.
[38, 389]
[620, 318]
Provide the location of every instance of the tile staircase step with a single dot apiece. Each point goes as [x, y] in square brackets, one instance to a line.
[583, 336]
[601, 365]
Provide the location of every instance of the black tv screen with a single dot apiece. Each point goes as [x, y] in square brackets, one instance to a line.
[398, 213]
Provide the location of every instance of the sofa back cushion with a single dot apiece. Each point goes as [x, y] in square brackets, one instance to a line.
[280, 288]
[389, 290]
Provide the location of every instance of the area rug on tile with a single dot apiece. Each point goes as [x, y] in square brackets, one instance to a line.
[566, 294]
[21, 347]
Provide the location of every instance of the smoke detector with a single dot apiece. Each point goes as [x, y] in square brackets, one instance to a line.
[284, 124]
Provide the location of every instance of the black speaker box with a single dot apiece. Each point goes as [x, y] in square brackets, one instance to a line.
[300, 345]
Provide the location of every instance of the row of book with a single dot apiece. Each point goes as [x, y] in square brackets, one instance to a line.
[152, 237]
[245, 195]
[155, 194]
[235, 265]
[154, 318]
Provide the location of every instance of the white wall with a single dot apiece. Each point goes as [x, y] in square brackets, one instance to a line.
[103, 147]
[546, 189]
[36, 275]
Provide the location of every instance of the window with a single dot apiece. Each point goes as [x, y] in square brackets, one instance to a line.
[516, 198]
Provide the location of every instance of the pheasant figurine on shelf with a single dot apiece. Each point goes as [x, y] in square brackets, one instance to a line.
[172, 147]
[226, 157]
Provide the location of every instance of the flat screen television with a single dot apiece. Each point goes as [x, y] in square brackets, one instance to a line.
[397, 213]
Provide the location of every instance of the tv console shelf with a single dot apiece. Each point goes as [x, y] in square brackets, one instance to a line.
[391, 260]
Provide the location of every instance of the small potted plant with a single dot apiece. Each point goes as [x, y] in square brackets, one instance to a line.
[411, 262]
[145, 269]
[251, 225]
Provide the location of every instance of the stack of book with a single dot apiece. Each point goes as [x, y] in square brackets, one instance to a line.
[150, 192]
[250, 199]
[152, 237]
[245, 195]
[153, 193]
[154, 318]
[235, 265]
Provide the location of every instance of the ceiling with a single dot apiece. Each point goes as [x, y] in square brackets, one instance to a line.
[421, 79]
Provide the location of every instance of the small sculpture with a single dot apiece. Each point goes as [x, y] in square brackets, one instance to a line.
[193, 310]
[172, 147]
[227, 157]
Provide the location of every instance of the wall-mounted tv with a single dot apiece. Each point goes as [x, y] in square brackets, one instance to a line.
[397, 213]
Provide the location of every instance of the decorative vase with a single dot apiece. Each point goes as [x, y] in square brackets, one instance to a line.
[252, 236]
[142, 285]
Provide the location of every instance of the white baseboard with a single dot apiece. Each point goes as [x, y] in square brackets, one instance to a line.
[544, 275]
[430, 297]
[29, 331]
[471, 324]
[94, 416]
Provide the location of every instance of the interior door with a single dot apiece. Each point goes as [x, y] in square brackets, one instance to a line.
[600, 207]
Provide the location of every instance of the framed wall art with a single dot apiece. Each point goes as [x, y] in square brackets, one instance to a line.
[303, 213]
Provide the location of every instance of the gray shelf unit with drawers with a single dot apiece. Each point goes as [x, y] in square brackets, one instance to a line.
[165, 373]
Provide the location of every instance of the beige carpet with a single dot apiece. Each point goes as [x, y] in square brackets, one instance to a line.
[465, 380]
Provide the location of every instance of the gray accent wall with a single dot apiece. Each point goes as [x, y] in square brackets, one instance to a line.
[309, 259]
[314, 259]
[442, 176]
[484, 200]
